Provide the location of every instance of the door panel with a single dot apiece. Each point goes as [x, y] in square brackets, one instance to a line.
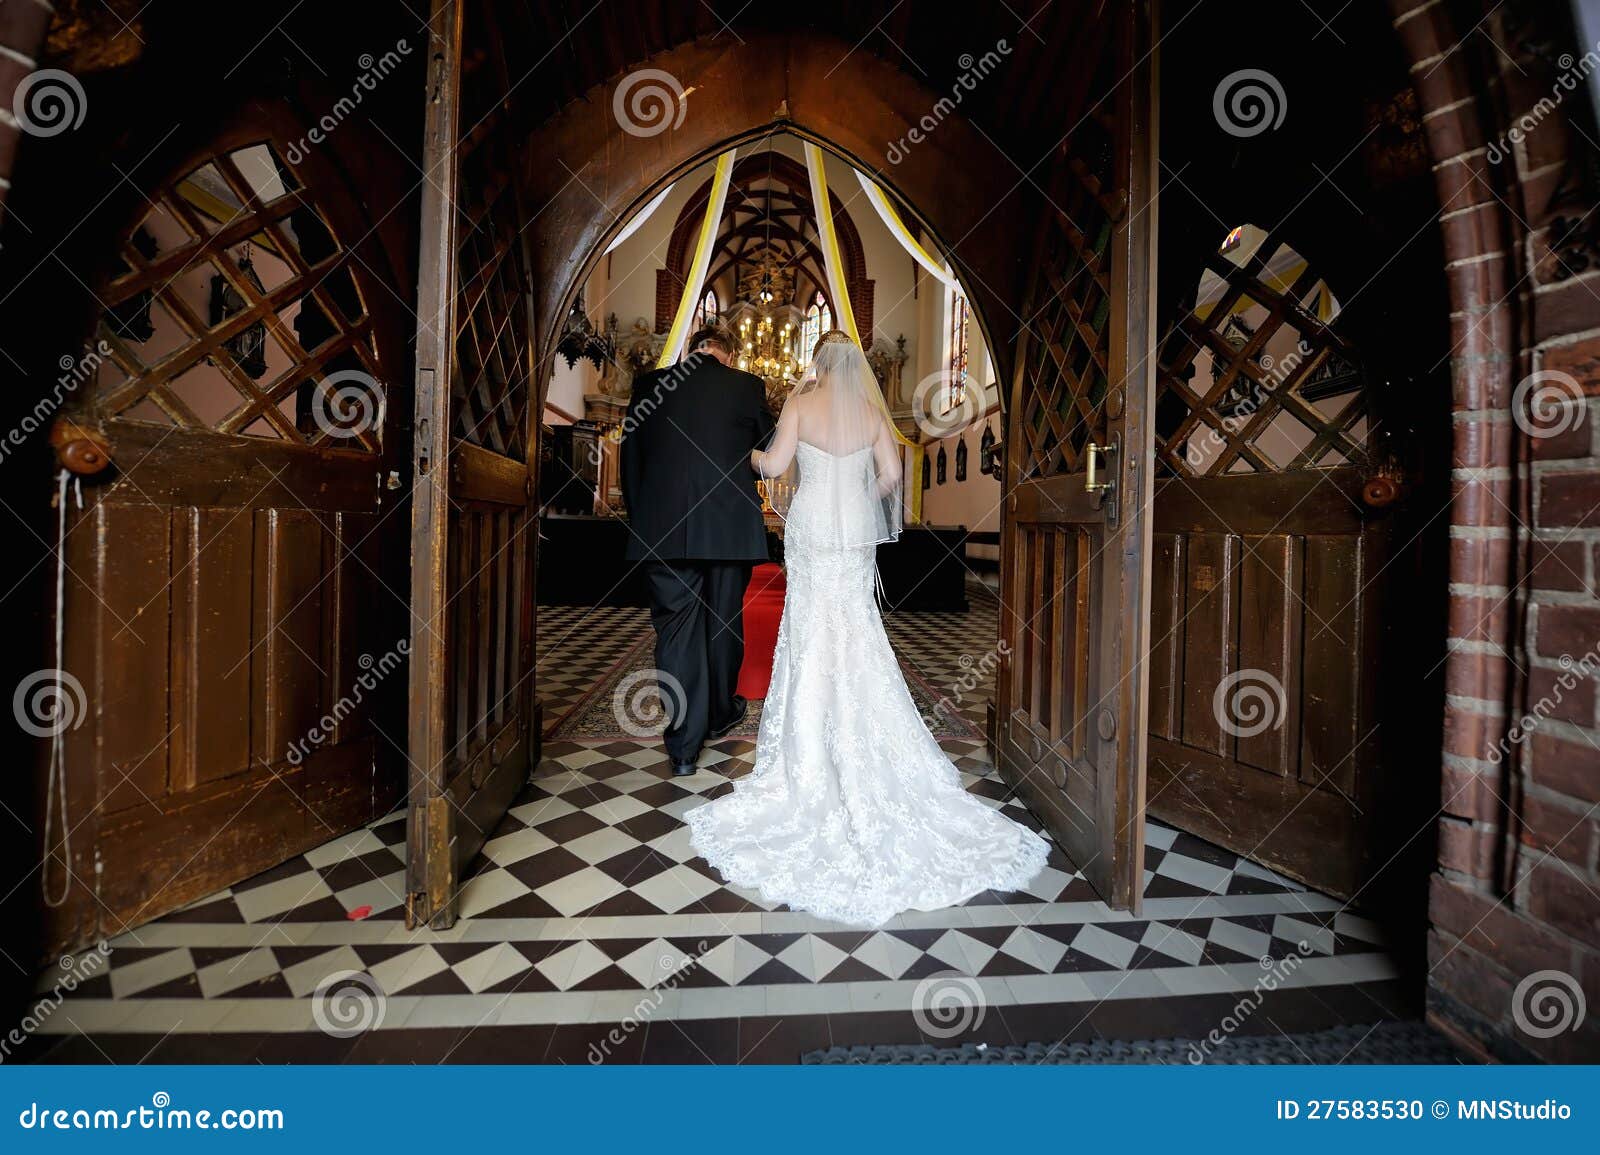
[222, 593]
[1070, 721]
[1271, 535]
[474, 724]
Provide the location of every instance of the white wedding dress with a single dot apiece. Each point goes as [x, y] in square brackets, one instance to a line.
[853, 812]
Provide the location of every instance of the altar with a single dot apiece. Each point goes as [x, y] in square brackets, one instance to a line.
[581, 563]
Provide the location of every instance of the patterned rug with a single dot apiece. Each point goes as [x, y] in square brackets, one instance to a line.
[624, 703]
[1385, 1043]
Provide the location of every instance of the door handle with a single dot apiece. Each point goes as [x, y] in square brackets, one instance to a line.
[1093, 455]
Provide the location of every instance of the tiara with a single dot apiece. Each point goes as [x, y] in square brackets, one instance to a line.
[834, 337]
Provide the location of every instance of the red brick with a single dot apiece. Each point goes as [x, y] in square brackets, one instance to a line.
[23, 24]
[1569, 499]
[1471, 735]
[1479, 619]
[1557, 565]
[1482, 444]
[1565, 903]
[1481, 561]
[1569, 630]
[1494, 928]
[1560, 432]
[1580, 360]
[1569, 308]
[1469, 674]
[1467, 794]
[1481, 502]
[1571, 768]
[1468, 977]
[1566, 694]
[1559, 830]
[1466, 847]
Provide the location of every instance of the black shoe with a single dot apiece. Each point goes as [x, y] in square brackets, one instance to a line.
[683, 769]
[741, 707]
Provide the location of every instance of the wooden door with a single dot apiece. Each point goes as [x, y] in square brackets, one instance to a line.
[1271, 537]
[1069, 725]
[474, 727]
[229, 637]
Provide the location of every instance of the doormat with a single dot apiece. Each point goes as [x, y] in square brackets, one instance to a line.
[1382, 1044]
[598, 717]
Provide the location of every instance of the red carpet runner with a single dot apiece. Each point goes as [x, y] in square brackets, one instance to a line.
[763, 606]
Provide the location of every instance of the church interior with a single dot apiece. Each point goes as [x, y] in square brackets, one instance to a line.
[1232, 560]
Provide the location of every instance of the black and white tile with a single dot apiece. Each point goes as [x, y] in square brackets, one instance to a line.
[588, 903]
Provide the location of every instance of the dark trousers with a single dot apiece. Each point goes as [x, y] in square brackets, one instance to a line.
[697, 608]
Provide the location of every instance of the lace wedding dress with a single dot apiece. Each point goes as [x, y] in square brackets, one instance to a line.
[853, 812]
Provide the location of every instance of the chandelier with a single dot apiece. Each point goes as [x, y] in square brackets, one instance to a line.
[767, 350]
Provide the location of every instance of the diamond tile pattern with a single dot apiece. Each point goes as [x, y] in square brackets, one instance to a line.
[589, 895]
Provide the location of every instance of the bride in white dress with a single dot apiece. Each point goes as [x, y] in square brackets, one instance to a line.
[852, 812]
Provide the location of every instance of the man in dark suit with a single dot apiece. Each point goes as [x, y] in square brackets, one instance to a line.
[696, 526]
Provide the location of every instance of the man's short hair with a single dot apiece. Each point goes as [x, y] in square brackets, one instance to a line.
[713, 335]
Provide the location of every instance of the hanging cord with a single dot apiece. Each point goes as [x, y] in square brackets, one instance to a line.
[56, 782]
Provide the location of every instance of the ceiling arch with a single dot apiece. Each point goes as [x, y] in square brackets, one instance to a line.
[586, 175]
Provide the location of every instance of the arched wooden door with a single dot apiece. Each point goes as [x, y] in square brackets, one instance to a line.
[1070, 721]
[229, 636]
[474, 733]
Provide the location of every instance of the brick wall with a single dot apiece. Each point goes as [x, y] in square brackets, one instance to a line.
[1515, 906]
[23, 24]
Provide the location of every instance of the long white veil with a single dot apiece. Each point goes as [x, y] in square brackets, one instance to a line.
[858, 499]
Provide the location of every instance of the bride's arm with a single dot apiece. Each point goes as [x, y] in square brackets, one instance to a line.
[775, 461]
[886, 455]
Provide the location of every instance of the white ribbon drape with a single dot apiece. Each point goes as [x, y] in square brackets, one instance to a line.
[640, 217]
[897, 229]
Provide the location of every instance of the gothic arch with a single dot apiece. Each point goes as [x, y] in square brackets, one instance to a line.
[790, 175]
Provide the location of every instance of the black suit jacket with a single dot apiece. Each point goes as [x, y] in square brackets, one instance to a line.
[686, 472]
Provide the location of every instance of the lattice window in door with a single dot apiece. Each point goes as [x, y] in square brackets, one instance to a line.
[1253, 378]
[492, 379]
[233, 309]
[1065, 366]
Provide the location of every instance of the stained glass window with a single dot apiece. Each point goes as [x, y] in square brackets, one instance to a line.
[819, 319]
[709, 312]
[955, 389]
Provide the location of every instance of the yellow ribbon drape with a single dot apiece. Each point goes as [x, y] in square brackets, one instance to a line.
[702, 261]
[833, 266]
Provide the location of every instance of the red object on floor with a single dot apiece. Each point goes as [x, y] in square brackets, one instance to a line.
[763, 607]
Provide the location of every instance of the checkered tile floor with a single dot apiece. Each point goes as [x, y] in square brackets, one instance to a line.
[588, 905]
